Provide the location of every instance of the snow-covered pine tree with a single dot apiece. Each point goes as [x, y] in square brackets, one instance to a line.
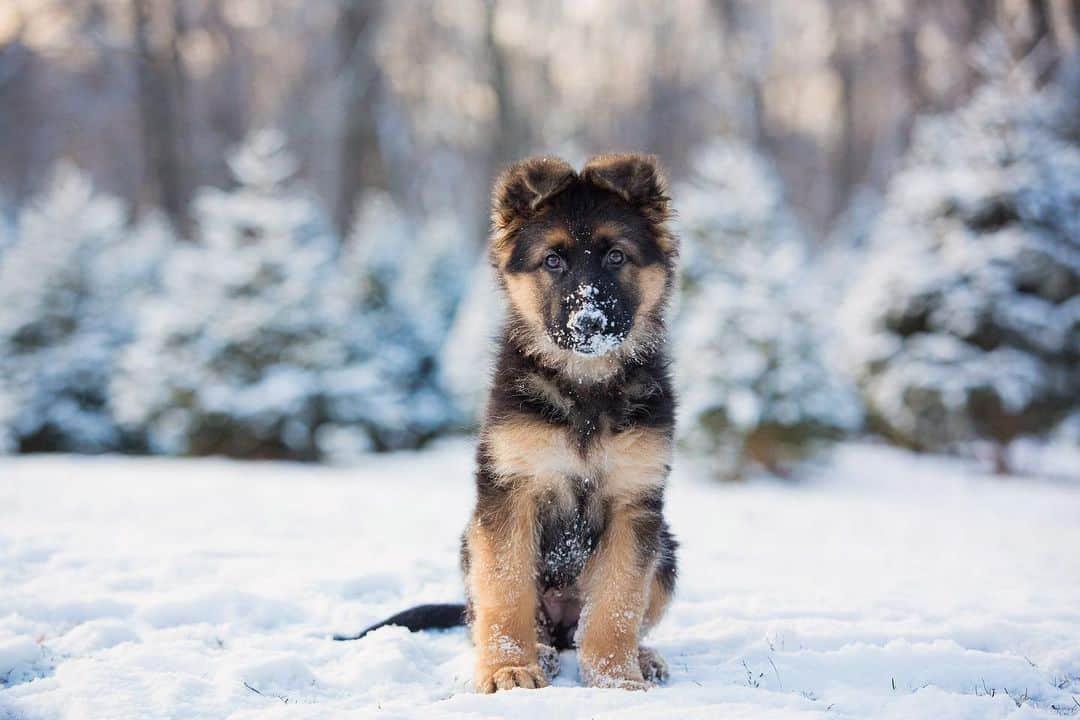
[756, 388]
[396, 290]
[227, 359]
[70, 280]
[469, 352]
[269, 340]
[966, 319]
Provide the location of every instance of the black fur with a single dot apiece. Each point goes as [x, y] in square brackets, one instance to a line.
[421, 617]
[641, 395]
[568, 537]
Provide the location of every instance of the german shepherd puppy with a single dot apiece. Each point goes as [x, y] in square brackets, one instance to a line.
[567, 545]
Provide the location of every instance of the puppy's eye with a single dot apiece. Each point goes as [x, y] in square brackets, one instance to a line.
[615, 258]
[553, 261]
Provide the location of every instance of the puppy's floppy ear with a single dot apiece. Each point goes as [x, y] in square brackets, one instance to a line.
[524, 187]
[635, 178]
[638, 181]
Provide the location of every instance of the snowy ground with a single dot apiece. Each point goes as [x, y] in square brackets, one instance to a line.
[888, 586]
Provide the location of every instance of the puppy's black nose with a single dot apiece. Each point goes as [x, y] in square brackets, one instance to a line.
[588, 324]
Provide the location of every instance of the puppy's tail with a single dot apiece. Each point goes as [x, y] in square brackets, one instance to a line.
[421, 617]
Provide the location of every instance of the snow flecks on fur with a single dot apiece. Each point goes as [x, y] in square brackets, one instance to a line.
[567, 555]
[503, 646]
[614, 670]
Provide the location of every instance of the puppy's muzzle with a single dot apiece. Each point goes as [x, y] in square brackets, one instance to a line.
[588, 322]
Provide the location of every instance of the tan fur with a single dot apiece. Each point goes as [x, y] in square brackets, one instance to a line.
[538, 456]
[623, 601]
[553, 238]
[501, 247]
[659, 599]
[503, 588]
[616, 596]
[524, 294]
[652, 282]
[632, 462]
[667, 241]
[609, 229]
[502, 239]
[615, 233]
[523, 448]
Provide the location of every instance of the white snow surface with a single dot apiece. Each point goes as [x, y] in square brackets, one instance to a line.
[883, 585]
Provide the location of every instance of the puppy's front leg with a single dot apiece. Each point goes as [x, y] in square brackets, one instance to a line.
[615, 583]
[502, 584]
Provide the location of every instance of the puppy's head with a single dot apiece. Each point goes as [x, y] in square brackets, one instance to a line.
[586, 259]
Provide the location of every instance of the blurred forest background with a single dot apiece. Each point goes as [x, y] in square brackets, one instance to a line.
[255, 227]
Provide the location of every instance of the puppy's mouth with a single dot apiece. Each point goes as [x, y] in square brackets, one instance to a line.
[599, 345]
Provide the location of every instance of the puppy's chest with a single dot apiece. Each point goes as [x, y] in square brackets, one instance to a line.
[545, 459]
[570, 524]
[574, 481]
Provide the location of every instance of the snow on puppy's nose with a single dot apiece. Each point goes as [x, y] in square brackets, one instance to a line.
[587, 321]
[587, 318]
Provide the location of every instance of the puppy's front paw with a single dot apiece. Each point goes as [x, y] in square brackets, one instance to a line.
[607, 674]
[510, 677]
[653, 667]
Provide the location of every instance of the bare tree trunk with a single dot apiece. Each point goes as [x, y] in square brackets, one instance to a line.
[182, 139]
[1065, 25]
[159, 74]
[1040, 21]
[19, 114]
[912, 72]
[228, 111]
[510, 135]
[362, 164]
[730, 13]
[981, 16]
[665, 132]
[846, 160]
